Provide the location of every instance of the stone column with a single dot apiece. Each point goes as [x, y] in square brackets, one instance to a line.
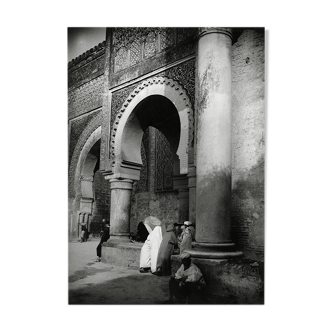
[213, 155]
[120, 209]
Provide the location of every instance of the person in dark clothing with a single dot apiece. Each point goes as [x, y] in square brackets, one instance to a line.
[184, 285]
[142, 233]
[104, 237]
[83, 234]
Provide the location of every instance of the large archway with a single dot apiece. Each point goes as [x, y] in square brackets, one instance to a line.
[160, 103]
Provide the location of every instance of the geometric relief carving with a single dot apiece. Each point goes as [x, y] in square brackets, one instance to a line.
[135, 53]
[128, 44]
[86, 97]
[164, 164]
[118, 99]
[143, 181]
[184, 73]
[83, 73]
[166, 38]
[150, 45]
[121, 59]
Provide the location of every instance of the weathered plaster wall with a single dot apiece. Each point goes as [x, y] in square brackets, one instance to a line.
[248, 142]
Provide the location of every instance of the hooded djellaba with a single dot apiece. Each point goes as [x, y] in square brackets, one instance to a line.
[188, 236]
[165, 251]
[150, 249]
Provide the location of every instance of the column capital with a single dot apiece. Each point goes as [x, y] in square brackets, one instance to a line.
[88, 178]
[124, 184]
[107, 174]
[225, 31]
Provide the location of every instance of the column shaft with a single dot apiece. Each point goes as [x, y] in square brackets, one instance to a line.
[213, 156]
[120, 209]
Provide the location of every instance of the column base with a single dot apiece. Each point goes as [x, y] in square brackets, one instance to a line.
[119, 238]
[213, 250]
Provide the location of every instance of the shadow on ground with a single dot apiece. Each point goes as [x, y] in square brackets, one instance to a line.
[136, 289]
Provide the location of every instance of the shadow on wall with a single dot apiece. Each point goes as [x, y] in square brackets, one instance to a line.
[248, 211]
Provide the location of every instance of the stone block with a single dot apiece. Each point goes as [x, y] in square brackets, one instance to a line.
[240, 280]
[121, 254]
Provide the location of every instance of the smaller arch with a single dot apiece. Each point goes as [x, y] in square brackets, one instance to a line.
[85, 164]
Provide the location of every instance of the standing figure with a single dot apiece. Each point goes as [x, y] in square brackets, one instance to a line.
[104, 237]
[165, 251]
[180, 236]
[83, 234]
[188, 236]
[142, 233]
[149, 251]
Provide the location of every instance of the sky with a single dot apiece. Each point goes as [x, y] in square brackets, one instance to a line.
[82, 39]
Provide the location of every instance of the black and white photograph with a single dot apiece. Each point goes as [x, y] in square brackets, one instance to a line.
[166, 130]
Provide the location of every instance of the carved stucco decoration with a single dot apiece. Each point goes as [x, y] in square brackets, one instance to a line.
[132, 45]
[183, 73]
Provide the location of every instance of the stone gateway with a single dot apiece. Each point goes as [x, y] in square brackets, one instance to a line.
[169, 122]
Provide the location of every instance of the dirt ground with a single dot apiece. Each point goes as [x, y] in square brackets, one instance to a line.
[99, 283]
[93, 282]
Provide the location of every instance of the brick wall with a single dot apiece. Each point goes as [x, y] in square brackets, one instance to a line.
[248, 142]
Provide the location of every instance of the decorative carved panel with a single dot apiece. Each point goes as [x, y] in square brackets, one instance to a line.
[183, 73]
[164, 164]
[128, 44]
[143, 182]
[77, 127]
[166, 38]
[150, 45]
[87, 97]
[121, 59]
[83, 73]
[135, 52]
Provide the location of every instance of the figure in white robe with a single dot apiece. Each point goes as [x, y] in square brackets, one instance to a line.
[149, 251]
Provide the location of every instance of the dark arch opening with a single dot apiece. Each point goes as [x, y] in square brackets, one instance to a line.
[156, 111]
